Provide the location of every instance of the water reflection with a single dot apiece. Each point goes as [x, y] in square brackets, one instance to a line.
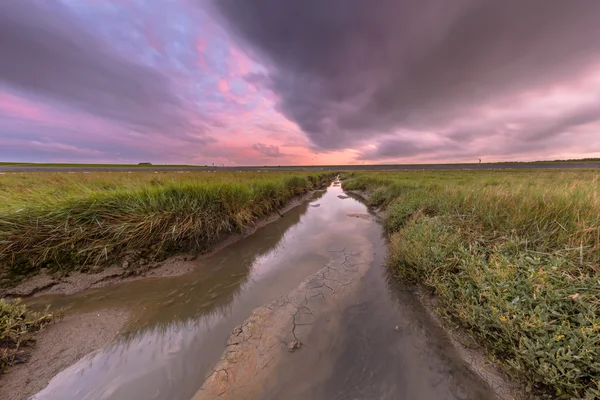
[180, 324]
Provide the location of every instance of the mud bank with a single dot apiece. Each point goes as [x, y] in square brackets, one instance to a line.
[258, 348]
[57, 347]
[45, 283]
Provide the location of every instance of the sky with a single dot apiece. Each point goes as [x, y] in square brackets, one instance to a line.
[298, 82]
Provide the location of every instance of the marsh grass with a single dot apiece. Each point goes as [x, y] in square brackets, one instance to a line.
[512, 256]
[80, 221]
[18, 325]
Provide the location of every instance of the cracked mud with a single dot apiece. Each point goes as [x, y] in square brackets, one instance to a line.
[258, 347]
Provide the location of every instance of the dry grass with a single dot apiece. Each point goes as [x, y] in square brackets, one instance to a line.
[78, 221]
[513, 256]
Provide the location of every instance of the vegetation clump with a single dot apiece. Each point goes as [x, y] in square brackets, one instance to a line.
[18, 325]
[67, 222]
[512, 256]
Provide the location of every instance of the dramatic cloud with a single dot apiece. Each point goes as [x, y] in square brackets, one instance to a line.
[46, 52]
[298, 81]
[348, 72]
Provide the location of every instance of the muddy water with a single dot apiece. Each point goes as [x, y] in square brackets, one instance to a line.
[378, 344]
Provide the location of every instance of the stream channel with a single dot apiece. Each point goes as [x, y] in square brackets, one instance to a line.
[375, 341]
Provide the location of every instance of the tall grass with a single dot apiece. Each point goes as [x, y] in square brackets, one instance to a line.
[512, 256]
[76, 221]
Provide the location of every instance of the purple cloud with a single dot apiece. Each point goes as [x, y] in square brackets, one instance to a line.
[326, 82]
[46, 52]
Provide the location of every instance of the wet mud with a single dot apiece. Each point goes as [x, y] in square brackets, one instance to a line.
[259, 347]
[58, 346]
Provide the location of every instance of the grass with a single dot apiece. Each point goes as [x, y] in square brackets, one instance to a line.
[18, 325]
[512, 256]
[81, 221]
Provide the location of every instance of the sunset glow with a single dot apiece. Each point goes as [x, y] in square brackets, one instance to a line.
[252, 83]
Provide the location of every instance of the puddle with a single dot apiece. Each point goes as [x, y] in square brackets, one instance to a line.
[377, 343]
[361, 216]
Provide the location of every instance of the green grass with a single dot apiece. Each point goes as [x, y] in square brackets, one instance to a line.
[68, 222]
[18, 326]
[512, 256]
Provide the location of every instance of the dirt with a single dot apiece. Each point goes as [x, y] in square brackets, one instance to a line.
[45, 283]
[57, 347]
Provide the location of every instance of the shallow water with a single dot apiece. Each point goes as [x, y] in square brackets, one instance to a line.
[385, 346]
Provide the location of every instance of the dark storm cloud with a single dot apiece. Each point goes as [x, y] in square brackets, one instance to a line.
[399, 148]
[44, 52]
[511, 139]
[348, 70]
[267, 150]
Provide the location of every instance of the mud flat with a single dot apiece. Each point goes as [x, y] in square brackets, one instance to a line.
[58, 346]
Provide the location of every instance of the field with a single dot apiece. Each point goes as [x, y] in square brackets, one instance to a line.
[83, 221]
[511, 256]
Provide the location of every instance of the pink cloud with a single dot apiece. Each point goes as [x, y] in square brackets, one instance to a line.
[153, 39]
[18, 107]
[223, 85]
[201, 43]
[238, 64]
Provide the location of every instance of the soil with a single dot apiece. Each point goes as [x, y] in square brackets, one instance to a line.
[45, 283]
[57, 347]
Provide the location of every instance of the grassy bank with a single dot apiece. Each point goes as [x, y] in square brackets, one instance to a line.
[18, 325]
[80, 221]
[512, 256]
